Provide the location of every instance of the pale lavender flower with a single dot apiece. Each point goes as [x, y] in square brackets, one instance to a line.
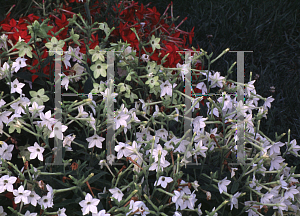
[234, 200]
[95, 140]
[275, 148]
[5, 151]
[223, 185]
[290, 192]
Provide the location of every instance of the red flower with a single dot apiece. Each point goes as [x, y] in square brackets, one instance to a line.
[155, 14]
[191, 35]
[140, 13]
[131, 38]
[198, 67]
[46, 68]
[6, 19]
[62, 22]
[31, 18]
[12, 26]
[23, 34]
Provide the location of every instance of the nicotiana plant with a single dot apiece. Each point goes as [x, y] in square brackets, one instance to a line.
[151, 144]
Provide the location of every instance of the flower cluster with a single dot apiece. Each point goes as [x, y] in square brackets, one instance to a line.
[149, 100]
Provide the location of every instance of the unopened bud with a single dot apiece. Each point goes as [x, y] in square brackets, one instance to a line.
[272, 89]
[208, 195]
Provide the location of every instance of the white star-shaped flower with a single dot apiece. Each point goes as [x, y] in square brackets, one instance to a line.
[138, 207]
[95, 140]
[33, 198]
[123, 150]
[68, 140]
[101, 213]
[163, 181]
[159, 151]
[17, 106]
[65, 81]
[184, 69]
[268, 102]
[66, 59]
[61, 212]
[107, 93]
[116, 193]
[166, 88]
[250, 88]
[5, 151]
[216, 80]
[234, 200]
[46, 201]
[177, 199]
[199, 123]
[227, 102]
[290, 192]
[16, 86]
[223, 185]
[6, 183]
[81, 112]
[275, 148]
[28, 213]
[89, 204]
[36, 151]
[275, 162]
[21, 195]
[120, 120]
[57, 130]
[202, 86]
[19, 63]
[47, 120]
[294, 147]
[200, 149]
[111, 158]
[35, 109]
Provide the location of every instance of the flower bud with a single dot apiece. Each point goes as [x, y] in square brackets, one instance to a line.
[272, 89]
[208, 195]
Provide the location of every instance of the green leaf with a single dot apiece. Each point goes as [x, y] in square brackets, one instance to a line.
[64, 203]
[88, 14]
[174, 101]
[235, 187]
[24, 75]
[134, 96]
[122, 87]
[88, 86]
[96, 177]
[22, 53]
[46, 61]
[127, 95]
[11, 129]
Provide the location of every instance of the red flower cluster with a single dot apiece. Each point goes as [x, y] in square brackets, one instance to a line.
[15, 29]
[147, 22]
